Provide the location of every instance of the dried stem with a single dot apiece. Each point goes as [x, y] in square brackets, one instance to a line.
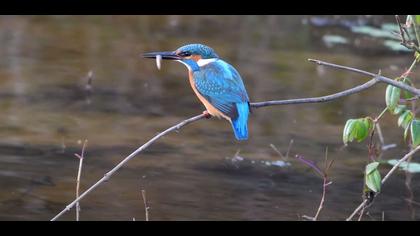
[371, 147]
[384, 146]
[403, 31]
[284, 157]
[325, 182]
[146, 208]
[277, 151]
[321, 203]
[394, 168]
[376, 79]
[406, 73]
[380, 115]
[311, 164]
[361, 214]
[380, 135]
[79, 173]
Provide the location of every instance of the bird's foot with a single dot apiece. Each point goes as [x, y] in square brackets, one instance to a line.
[206, 114]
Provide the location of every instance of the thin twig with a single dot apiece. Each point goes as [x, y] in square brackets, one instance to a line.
[278, 151]
[146, 208]
[397, 18]
[324, 190]
[408, 72]
[413, 202]
[324, 184]
[311, 164]
[327, 98]
[380, 115]
[380, 135]
[284, 157]
[394, 168]
[79, 173]
[362, 205]
[384, 146]
[411, 99]
[371, 147]
[361, 214]
[403, 31]
[129, 157]
[321, 203]
[378, 77]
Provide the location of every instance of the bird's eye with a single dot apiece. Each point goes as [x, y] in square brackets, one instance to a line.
[185, 54]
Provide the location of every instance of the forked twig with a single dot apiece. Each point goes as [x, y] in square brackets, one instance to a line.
[79, 173]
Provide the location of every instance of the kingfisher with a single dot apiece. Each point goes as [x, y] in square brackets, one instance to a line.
[216, 83]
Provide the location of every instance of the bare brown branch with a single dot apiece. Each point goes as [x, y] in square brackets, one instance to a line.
[375, 79]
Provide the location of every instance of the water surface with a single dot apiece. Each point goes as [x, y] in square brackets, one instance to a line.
[192, 174]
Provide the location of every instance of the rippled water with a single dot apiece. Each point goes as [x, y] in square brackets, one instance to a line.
[192, 174]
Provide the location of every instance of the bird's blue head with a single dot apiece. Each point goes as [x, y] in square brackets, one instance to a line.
[199, 50]
[191, 55]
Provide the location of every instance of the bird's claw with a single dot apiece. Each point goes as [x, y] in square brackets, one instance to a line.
[206, 114]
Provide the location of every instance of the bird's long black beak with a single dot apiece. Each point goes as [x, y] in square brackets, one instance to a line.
[164, 55]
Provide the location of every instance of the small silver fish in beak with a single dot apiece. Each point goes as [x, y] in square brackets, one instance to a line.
[158, 61]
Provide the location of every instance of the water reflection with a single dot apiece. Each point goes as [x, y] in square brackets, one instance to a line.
[187, 175]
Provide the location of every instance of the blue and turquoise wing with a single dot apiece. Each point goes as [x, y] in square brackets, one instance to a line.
[222, 86]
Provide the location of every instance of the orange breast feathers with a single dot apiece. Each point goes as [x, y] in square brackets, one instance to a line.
[210, 108]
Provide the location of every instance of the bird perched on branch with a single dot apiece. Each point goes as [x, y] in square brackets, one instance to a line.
[216, 83]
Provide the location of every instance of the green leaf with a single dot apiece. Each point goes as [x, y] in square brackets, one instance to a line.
[411, 167]
[418, 19]
[405, 118]
[392, 97]
[368, 122]
[360, 130]
[357, 129]
[415, 132]
[371, 167]
[347, 131]
[373, 177]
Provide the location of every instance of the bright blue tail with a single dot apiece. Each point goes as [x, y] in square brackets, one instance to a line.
[240, 124]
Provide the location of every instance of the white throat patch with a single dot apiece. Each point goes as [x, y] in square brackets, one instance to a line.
[189, 68]
[203, 62]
